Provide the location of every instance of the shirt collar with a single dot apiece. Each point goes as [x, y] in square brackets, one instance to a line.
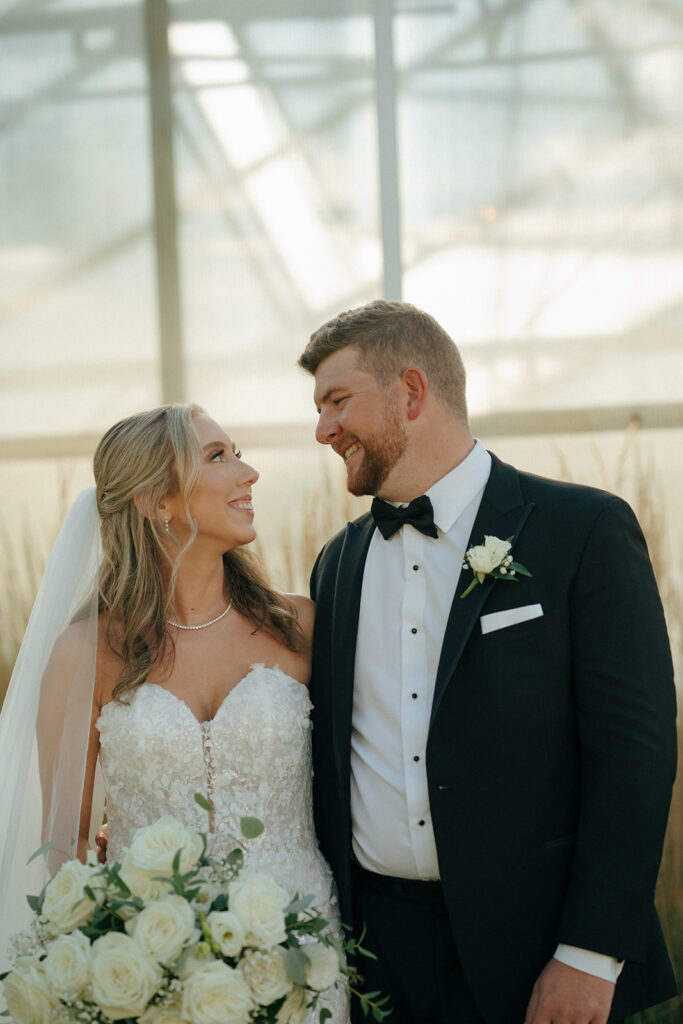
[451, 495]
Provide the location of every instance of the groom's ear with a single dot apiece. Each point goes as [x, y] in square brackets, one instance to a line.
[416, 387]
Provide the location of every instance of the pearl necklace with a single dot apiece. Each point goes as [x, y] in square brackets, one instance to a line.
[203, 624]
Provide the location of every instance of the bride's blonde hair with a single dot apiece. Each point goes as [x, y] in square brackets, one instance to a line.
[138, 462]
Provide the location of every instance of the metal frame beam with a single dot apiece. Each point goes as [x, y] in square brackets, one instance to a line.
[165, 212]
[387, 149]
[532, 423]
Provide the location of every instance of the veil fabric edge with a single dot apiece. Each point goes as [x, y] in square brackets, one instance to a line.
[43, 756]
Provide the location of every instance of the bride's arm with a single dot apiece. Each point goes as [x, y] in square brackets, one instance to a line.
[305, 613]
[89, 783]
[67, 741]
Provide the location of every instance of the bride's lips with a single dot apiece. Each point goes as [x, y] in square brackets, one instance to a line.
[243, 504]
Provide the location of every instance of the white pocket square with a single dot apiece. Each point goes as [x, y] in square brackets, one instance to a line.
[510, 617]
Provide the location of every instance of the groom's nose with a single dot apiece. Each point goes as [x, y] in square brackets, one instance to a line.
[328, 430]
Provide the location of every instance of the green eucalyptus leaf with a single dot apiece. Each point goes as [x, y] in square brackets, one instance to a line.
[220, 903]
[235, 859]
[296, 963]
[251, 827]
[519, 568]
[134, 904]
[203, 802]
[41, 849]
[116, 880]
[298, 904]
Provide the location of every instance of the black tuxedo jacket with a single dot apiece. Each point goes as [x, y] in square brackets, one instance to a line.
[551, 750]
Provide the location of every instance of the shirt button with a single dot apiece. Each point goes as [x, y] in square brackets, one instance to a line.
[421, 823]
[413, 630]
[415, 568]
[416, 758]
[414, 696]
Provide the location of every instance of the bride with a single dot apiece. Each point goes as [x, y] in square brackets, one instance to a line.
[181, 670]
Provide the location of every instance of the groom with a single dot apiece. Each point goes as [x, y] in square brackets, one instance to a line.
[493, 770]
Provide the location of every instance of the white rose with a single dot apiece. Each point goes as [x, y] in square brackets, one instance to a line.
[216, 994]
[154, 847]
[164, 928]
[27, 993]
[324, 965]
[259, 902]
[498, 548]
[294, 1010]
[65, 904]
[144, 884]
[123, 978]
[226, 931]
[266, 974]
[67, 965]
[206, 895]
[161, 1015]
[488, 556]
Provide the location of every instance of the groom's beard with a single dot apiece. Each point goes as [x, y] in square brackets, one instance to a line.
[378, 456]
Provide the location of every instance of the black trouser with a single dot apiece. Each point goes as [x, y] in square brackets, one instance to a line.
[408, 930]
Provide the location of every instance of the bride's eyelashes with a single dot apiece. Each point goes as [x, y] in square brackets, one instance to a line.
[219, 456]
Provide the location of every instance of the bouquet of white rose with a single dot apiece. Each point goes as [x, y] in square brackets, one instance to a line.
[173, 936]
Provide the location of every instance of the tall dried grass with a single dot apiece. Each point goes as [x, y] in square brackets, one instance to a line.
[22, 561]
[635, 477]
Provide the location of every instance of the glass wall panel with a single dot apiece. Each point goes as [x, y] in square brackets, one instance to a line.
[277, 193]
[77, 328]
[549, 239]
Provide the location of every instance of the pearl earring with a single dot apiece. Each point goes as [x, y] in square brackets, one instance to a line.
[166, 524]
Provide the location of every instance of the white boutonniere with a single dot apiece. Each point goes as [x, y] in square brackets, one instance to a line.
[492, 558]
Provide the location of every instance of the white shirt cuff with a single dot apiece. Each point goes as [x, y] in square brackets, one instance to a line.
[599, 964]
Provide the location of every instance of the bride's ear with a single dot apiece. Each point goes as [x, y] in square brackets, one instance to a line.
[142, 504]
[145, 508]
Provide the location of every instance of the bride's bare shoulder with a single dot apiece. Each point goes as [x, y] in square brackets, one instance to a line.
[304, 609]
[75, 647]
[75, 643]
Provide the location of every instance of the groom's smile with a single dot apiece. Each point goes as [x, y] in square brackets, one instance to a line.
[351, 450]
[358, 418]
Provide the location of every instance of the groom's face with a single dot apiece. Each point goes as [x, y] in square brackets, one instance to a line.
[360, 419]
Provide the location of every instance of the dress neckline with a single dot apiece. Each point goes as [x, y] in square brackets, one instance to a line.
[253, 670]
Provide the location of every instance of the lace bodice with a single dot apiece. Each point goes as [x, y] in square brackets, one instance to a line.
[252, 759]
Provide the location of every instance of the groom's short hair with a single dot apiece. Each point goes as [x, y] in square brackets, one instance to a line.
[390, 337]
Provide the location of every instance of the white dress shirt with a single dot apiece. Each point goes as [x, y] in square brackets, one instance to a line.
[408, 585]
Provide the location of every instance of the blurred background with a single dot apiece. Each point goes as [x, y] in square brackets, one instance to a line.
[189, 188]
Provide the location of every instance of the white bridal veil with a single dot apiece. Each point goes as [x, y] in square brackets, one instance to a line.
[45, 720]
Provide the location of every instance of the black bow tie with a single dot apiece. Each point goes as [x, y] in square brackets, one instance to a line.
[419, 513]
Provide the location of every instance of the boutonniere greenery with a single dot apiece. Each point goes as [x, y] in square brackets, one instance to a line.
[492, 559]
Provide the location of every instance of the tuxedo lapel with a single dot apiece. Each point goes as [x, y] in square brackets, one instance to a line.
[344, 632]
[502, 513]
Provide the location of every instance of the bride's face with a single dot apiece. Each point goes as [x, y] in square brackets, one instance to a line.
[221, 501]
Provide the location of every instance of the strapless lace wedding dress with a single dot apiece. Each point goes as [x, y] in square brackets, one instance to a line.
[252, 759]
